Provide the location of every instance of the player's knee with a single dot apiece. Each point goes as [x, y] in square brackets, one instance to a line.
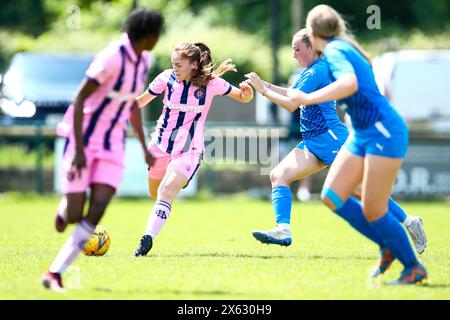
[373, 211]
[330, 198]
[167, 191]
[276, 178]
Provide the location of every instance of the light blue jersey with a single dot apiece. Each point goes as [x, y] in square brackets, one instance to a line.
[319, 118]
[378, 128]
[367, 105]
[323, 134]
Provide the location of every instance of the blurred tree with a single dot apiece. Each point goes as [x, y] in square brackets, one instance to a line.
[35, 16]
[430, 15]
[28, 16]
[297, 7]
[253, 15]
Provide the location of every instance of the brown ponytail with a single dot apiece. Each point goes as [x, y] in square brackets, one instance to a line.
[200, 53]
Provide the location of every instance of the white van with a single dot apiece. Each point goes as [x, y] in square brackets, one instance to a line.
[416, 82]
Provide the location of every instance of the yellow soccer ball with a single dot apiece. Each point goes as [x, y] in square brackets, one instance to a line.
[98, 244]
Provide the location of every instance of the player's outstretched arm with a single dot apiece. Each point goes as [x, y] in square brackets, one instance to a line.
[289, 102]
[144, 99]
[344, 86]
[280, 90]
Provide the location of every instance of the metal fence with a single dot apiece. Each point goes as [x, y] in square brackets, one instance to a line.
[424, 174]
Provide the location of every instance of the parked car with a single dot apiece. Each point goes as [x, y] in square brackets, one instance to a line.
[416, 82]
[40, 86]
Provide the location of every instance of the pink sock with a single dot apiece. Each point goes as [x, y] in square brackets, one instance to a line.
[158, 217]
[82, 232]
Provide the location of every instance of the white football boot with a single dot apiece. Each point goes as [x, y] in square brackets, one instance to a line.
[278, 235]
[417, 233]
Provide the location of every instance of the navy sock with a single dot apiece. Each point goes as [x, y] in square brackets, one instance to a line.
[396, 210]
[394, 236]
[282, 204]
[351, 211]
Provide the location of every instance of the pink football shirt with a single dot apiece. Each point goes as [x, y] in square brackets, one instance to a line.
[121, 76]
[180, 127]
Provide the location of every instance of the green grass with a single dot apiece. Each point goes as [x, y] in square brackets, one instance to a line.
[206, 251]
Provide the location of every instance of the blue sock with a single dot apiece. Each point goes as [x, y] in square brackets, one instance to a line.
[394, 235]
[351, 211]
[396, 210]
[282, 204]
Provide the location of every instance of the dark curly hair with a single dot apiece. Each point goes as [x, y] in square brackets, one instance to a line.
[142, 23]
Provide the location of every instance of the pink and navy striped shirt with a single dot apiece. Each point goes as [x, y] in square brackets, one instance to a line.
[180, 127]
[121, 76]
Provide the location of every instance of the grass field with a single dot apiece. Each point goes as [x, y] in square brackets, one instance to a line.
[206, 251]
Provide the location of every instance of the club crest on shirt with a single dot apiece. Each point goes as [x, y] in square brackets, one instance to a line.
[200, 93]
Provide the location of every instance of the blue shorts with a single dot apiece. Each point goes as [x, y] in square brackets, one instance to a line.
[327, 145]
[387, 138]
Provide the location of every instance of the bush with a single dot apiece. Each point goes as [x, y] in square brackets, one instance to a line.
[21, 157]
[100, 23]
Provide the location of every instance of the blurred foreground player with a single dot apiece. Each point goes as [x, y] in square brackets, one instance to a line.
[95, 127]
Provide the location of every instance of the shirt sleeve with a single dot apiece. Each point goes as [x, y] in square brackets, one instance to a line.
[219, 86]
[309, 81]
[105, 66]
[159, 84]
[338, 63]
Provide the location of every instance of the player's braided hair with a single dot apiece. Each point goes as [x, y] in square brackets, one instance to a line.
[142, 23]
[200, 53]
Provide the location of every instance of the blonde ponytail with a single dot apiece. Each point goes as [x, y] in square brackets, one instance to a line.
[327, 23]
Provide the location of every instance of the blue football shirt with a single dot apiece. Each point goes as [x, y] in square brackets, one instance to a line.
[367, 105]
[319, 118]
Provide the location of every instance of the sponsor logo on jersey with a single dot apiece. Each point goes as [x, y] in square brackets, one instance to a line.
[185, 107]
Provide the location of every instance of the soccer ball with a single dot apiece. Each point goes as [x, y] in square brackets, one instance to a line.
[98, 244]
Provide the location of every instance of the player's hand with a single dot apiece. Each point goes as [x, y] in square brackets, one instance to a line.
[149, 158]
[246, 91]
[256, 82]
[78, 163]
